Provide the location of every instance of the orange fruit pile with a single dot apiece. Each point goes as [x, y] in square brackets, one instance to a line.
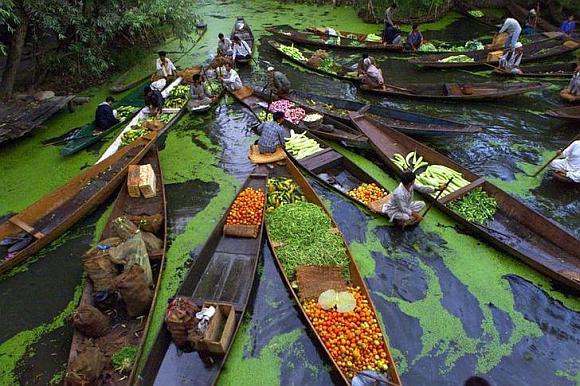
[248, 208]
[354, 339]
[367, 193]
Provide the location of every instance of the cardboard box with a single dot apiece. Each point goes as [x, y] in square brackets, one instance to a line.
[133, 180]
[220, 329]
[148, 181]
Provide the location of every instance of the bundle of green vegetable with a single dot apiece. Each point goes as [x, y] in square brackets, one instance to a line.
[306, 237]
[214, 87]
[123, 359]
[177, 97]
[436, 175]
[474, 45]
[263, 117]
[428, 47]
[132, 134]
[124, 112]
[328, 107]
[355, 43]
[329, 65]
[476, 206]
[476, 13]
[457, 59]
[374, 38]
[165, 117]
[300, 146]
[409, 162]
[282, 191]
[293, 52]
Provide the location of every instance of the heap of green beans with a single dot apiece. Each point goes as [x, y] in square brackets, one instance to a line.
[476, 206]
[305, 233]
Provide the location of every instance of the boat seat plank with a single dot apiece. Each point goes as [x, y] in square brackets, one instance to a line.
[27, 228]
[462, 192]
[325, 158]
[239, 246]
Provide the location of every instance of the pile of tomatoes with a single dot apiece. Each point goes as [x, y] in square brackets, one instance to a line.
[248, 208]
[367, 193]
[354, 338]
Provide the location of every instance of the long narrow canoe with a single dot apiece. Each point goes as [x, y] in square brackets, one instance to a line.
[515, 228]
[467, 10]
[532, 52]
[245, 34]
[223, 272]
[258, 102]
[551, 70]
[56, 212]
[128, 331]
[292, 172]
[410, 123]
[442, 91]
[572, 113]
[521, 14]
[317, 40]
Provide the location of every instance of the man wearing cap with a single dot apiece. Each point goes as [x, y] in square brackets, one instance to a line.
[105, 116]
[272, 135]
[278, 81]
[511, 59]
[513, 29]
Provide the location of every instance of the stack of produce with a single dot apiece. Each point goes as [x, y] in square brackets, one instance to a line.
[124, 112]
[355, 43]
[328, 107]
[305, 234]
[263, 116]
[471, 45]
[329, 65]
[214, 87]
[374, 38]
[367, 193]
[457, 59]
[282, 191]
[133, 134]
[247, 208]
[476, 13]
[312, 117]
[177, 97]
[301, 146]
[293, 52]
[291, 113]
[353, 338]
[409, 162]
[476, 206]
[281, 105]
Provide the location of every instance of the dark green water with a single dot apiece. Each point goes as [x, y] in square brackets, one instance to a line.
[451, 306]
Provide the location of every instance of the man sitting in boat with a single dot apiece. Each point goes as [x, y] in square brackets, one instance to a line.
[531, 22]
[165, 67]
[414, 39]
[231, 79]
[574, 85]
[568, 26]
[278, 81]
[401, 208]
[513, 29]
[271, 134]
[568, 165]
[153, 101]
[198, 95]
[370, 74]
[392, 35]
[240, 49]
[105, 116]
[511, 59]
[224, 46]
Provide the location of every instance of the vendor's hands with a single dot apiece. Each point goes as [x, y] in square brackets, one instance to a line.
[417, 216]
[559, 151]
[442, 187]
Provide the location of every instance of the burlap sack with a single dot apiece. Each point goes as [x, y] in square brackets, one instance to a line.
[180, 319]
[123, 227]
[86, 368]
[317, 57]
[89, 321]
[152, 242]
[135, 291]
[100, 269]
[147, 223]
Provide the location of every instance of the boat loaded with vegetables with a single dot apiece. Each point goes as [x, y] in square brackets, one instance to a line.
[221, 277]
[123, 274]
[481, 207]
[320, 272]
[300, 117]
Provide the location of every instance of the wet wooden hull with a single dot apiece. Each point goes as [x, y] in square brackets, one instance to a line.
[290, 171]
[558, 70]
[248, 36]
[137, 329]
[56, 212]
[224, 271]
[571, 113]
[516, 228]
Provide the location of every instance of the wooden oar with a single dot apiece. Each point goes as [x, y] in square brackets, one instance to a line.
[436, 199]
[554, 157]
[399, 88]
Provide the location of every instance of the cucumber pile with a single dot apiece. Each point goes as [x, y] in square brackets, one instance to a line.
[300, 146]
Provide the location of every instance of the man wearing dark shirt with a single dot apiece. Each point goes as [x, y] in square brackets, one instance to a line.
[105, 116]
[153, 100]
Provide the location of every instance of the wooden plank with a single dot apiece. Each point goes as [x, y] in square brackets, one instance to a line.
[462, 192]
[321, 159]
[27, 228]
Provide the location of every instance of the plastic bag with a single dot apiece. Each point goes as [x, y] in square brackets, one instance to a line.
[133, 252]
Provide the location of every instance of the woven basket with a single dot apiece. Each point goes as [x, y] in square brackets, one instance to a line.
[241, 230]
[315, 279]
[258, 158]
[244, 92]
[377, 206]
[567, 95]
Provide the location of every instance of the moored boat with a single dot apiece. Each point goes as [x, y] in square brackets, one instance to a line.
[551, 70]
[521, 14]
[307, 287]
[128, 331]
[49, 217]
[223, 273]
[572, 113]
[244, 32]
[515, 228]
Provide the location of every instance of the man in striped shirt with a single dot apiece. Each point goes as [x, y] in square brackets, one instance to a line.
[272, 135]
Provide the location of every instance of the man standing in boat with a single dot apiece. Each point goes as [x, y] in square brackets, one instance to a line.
[388, 22]
[513, 29]
[241, 49]
[511, 59]
[278, 81]
[105, 116]
[153, 101]
[165, 67]
[272, 135]
[568, 165]
[224, 46]
[574, 85]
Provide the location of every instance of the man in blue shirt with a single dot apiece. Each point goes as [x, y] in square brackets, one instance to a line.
[414, 39]
[271, 134]
[568, 26]
[105, 116]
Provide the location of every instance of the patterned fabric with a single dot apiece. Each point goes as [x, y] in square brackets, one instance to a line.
[401, 206]
[271, 136]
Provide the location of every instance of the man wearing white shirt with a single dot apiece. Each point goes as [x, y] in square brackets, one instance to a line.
[231, 79]
[514, 29]
[164, 66]
[241, 49]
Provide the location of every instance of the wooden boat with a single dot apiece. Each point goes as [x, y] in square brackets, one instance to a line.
[56, 212]
[245, 34]
[407, 122]
[521, 14]
[532, 52]
[317, 40]
[290, 171]
[128, 331]
[223, 272]
[566, 95]
[552, 70]
[258, 102]
[572, 113]
[562, 178]
[515, 228]
[456, 91]
[465, 9]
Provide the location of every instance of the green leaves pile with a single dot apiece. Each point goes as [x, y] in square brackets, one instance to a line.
[476, 206]
[293, 52]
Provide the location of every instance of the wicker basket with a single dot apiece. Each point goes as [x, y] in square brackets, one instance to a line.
[258, 158]
[244, 92]
[241, 230]
[315, 279]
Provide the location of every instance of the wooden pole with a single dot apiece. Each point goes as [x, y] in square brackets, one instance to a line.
[436, 198]
[556, 156]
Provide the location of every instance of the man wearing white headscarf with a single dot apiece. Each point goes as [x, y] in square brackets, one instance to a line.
[370, 74]
[511, 59]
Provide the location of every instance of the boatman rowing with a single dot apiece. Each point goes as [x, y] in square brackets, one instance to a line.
[568, 165]
[241, 49]
[231, 79]
[278, 81]
[224, 46]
